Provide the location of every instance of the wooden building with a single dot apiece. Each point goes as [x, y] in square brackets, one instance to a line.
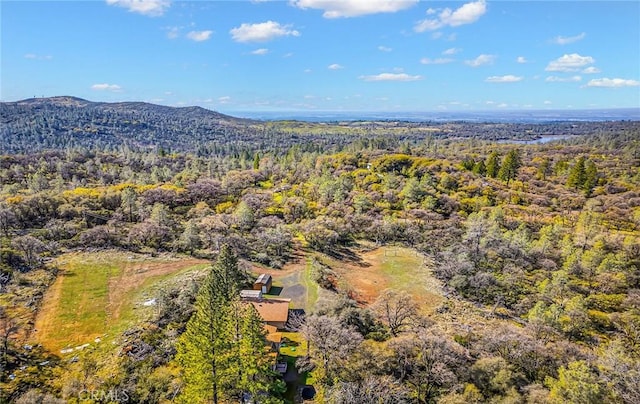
[263, 283]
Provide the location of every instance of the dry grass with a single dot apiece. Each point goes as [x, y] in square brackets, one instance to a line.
[96, 294]
[396, 268]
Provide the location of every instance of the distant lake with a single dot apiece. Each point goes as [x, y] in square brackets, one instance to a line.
[541, 140]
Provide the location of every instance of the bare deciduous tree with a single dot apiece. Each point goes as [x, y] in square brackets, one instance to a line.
[397, 309]
[379, 390]
[330, 342]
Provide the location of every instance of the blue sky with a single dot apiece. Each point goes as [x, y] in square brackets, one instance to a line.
[322, 55]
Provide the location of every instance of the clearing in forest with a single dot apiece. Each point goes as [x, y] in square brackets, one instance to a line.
[390, 267]
[97, 293]
[364, 274]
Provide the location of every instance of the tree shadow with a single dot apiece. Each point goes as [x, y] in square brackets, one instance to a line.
[347, 255]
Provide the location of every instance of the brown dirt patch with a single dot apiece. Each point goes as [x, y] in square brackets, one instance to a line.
[364, 284]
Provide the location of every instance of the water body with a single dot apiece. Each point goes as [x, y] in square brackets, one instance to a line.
[538, 116]
[540, 140]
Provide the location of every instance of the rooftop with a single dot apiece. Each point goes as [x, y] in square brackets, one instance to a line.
[250, 294]
[272, 309]
[263, 279]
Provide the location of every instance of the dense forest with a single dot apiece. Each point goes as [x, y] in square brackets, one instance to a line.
[535, 248]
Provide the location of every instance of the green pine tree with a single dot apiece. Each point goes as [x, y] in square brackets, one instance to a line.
[590, 177]
[509, 169]
[479, 168]
[544, 169]
[493, 164]
[222, 352]
[203, 350]
[577, 174]
[229, 277]
[256, 374]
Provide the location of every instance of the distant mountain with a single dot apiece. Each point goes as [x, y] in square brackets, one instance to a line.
[63, 122]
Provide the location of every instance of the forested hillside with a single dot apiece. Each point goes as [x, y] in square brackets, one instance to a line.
[533, 251]
[62, 123]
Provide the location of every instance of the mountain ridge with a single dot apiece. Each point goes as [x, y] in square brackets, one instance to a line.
[72, 101]
[62, 122]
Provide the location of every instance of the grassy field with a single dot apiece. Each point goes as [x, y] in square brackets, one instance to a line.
[99, 293]
[390, 267]
[372, 272]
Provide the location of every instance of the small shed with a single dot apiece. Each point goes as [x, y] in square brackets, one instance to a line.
[250, 294]
[263, 283]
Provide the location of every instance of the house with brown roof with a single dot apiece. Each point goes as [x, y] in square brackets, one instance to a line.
[274, 312]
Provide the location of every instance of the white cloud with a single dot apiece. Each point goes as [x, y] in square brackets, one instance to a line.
[591, 70]
[555, 79]
[509, 78]
[335, 66]
[354, 8]
[261, 32]
[503, 105]
[437, 61]
[564, 40]
[33, 56]
[522, 59]
[466, 14]
[451, 51]
[384, 48]
[569, 63]
[260, 52]
[199, 36]
[106, 87]
[173, 32]
[152, 8]
[547, 102]
[224, 100]
[390, 77]
[481, 60]
[613, 83]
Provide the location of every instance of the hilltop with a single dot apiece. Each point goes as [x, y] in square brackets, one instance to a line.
[62, 122]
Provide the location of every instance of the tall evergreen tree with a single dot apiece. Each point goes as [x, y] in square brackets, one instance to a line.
[544, 169]
[509, 169]
[577, 174]
[480, 168]
[222, 351]
[128, 198]
[590, 177]
[493, 164]
[256, 374]
[204, 349]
